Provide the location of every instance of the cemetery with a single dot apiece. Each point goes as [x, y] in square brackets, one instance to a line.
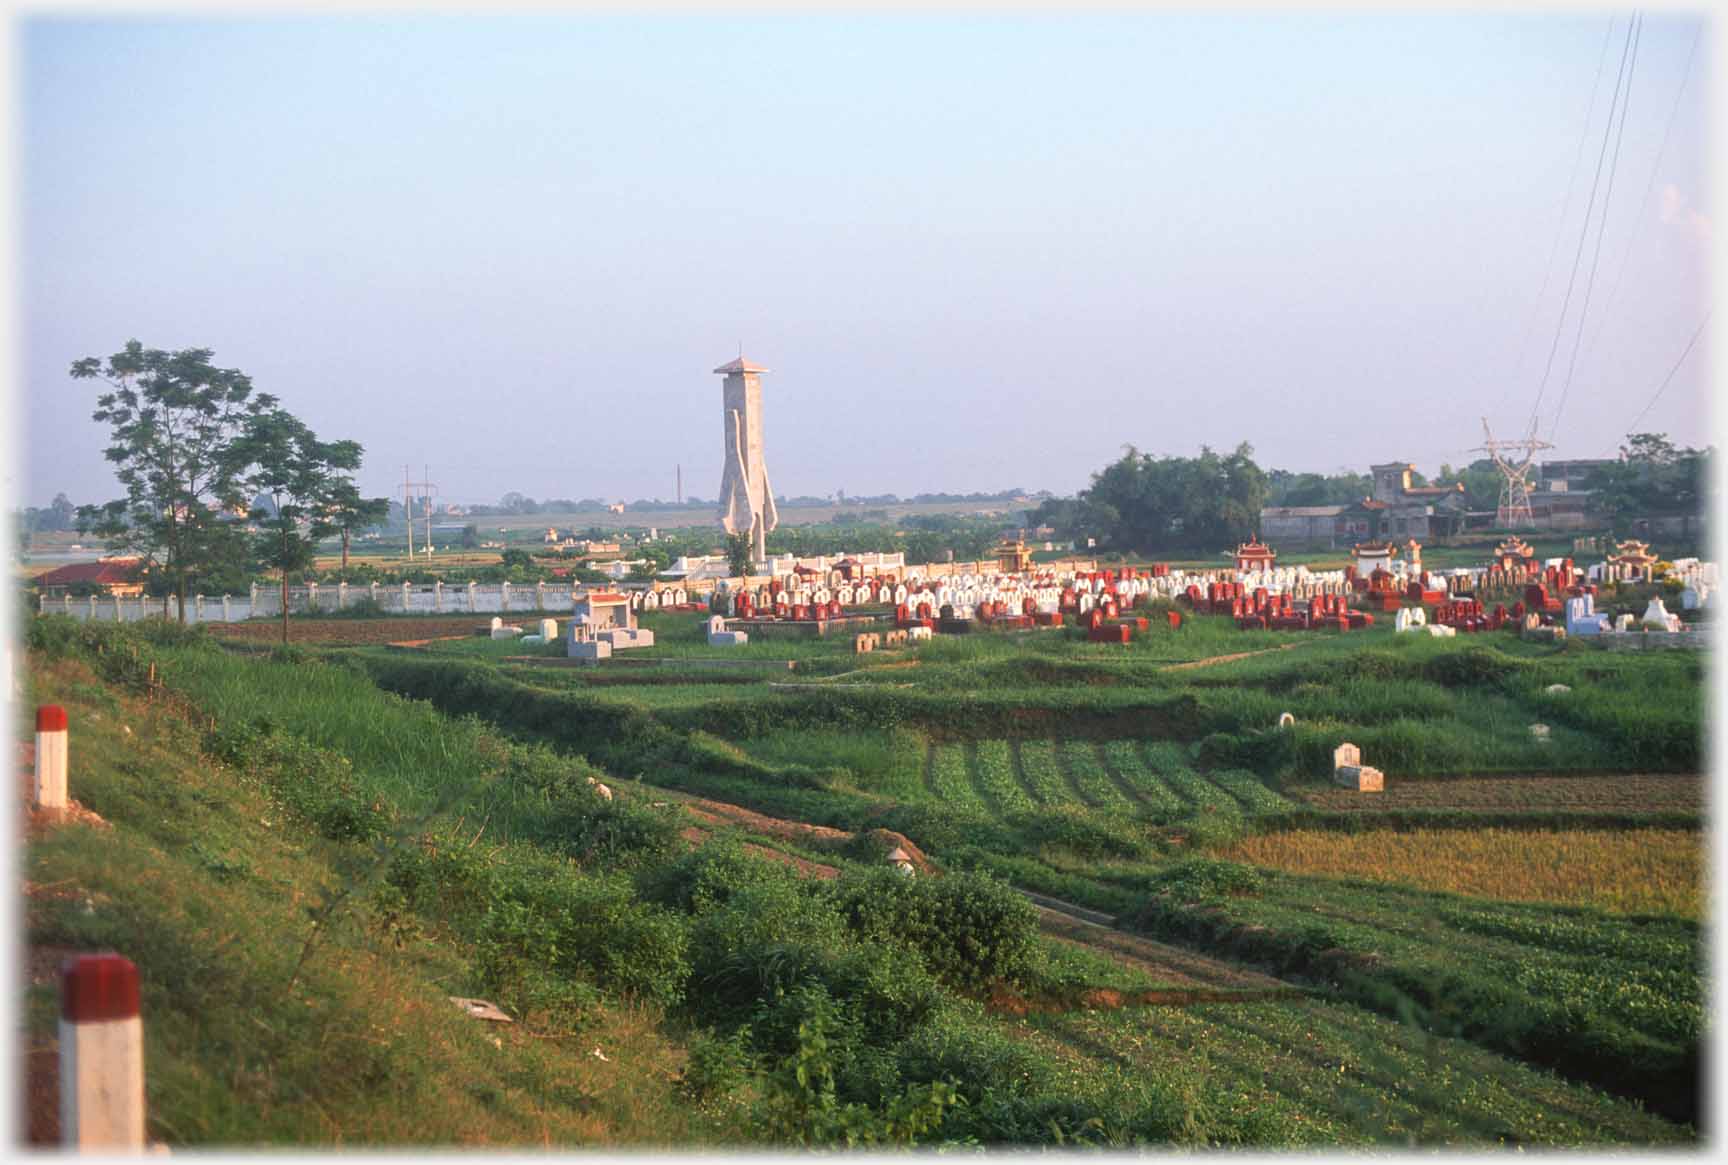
[1017, 843]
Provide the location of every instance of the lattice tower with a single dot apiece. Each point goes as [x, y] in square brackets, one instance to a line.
[1513, 460]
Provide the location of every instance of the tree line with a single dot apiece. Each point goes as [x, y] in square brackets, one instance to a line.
[1142, 503]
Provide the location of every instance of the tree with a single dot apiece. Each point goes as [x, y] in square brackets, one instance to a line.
[1205, 502]
[350, 513]
[62, 514]
[738, 556]
[175, 423]
[1652, 476]
[302, 477]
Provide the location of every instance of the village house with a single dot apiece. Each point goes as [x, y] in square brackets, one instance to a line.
[119, 575]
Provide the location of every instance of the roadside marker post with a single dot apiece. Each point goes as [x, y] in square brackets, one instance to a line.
[101, 1054]
[50, 757]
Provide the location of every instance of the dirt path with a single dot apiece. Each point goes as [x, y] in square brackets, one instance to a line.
[1212, 659]
[1193, 977]
[720, 813]
[1184, 968]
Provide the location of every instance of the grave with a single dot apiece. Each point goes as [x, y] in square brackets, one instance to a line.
[1349, 772]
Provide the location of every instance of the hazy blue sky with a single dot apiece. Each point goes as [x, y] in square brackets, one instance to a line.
[976, 250]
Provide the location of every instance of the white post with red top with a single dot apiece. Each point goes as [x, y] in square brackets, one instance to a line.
[101, 1054]
[50, 757]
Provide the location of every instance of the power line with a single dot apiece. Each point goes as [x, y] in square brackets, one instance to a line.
[1661, 387]
[1649, 188]
[1584, 230]
[1566, 208]
[1601, 227]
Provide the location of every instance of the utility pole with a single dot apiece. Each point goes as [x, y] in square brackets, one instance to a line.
[408, 511]
[427, 491]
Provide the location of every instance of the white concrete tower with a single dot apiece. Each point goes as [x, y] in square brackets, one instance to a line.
[746, 499]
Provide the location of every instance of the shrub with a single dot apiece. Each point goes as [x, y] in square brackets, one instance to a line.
[708, 876]
[598, 833]
[970, 929]
[763, 941]
[717, 1064]
[550, 917]
[1204, 879]
[1078, 831]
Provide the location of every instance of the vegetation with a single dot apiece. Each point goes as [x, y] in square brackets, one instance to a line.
[1147, 503]
[175, 423]
[1646, 872]
[452, 833]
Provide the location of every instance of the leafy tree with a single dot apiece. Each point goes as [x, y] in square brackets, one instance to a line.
[62, 514]
[1206, 502]
[1652, 476]
[738, 556]
[175, 421]
[350, 513]
[302, 477]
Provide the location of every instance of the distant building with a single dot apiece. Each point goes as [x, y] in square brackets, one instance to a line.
[1317, 524]
[119, 575]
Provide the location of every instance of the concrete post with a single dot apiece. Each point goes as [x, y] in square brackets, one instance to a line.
[374, 592]
[198, 608]
[407, 589]
[540, 596]
[66, 601]
[101, 1055]
[311, 598]
[437, 596]
[92, 615]
[227, 616]
[118, 617]
[471, 586]
[504, 591]
[341, 595]
[50, 757]
[253, 595]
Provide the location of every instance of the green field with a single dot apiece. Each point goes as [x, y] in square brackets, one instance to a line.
[1109, 777]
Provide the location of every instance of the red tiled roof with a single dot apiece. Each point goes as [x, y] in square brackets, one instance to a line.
[603, 597]
[105, 573]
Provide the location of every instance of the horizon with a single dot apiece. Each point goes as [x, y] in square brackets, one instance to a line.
[522, 241]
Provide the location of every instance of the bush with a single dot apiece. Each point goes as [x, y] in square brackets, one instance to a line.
[1079, 832]
[969, 929]
[708, 877]
[1207, 879]
[717, 1065]
[547, 917]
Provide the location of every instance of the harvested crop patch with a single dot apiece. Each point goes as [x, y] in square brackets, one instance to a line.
[1647, 872]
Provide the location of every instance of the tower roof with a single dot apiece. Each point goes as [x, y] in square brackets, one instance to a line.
[740, 365]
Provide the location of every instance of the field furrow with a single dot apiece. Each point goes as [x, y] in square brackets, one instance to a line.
[1250, 791]
[949, 780]
[1125, 760]
[1049, 785]
[993, 777]
[1089, 778]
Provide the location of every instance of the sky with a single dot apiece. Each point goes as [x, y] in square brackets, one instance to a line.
[976, 250]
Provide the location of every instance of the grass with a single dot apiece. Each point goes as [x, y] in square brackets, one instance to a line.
[1613, 1000]
[994, 776]
[204, 881]
[1317, 1073]
[1646, 872]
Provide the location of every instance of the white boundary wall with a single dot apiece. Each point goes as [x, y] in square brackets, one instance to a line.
[261, 601]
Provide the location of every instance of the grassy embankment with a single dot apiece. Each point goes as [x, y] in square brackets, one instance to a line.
[1107, 798]
[399, 855]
